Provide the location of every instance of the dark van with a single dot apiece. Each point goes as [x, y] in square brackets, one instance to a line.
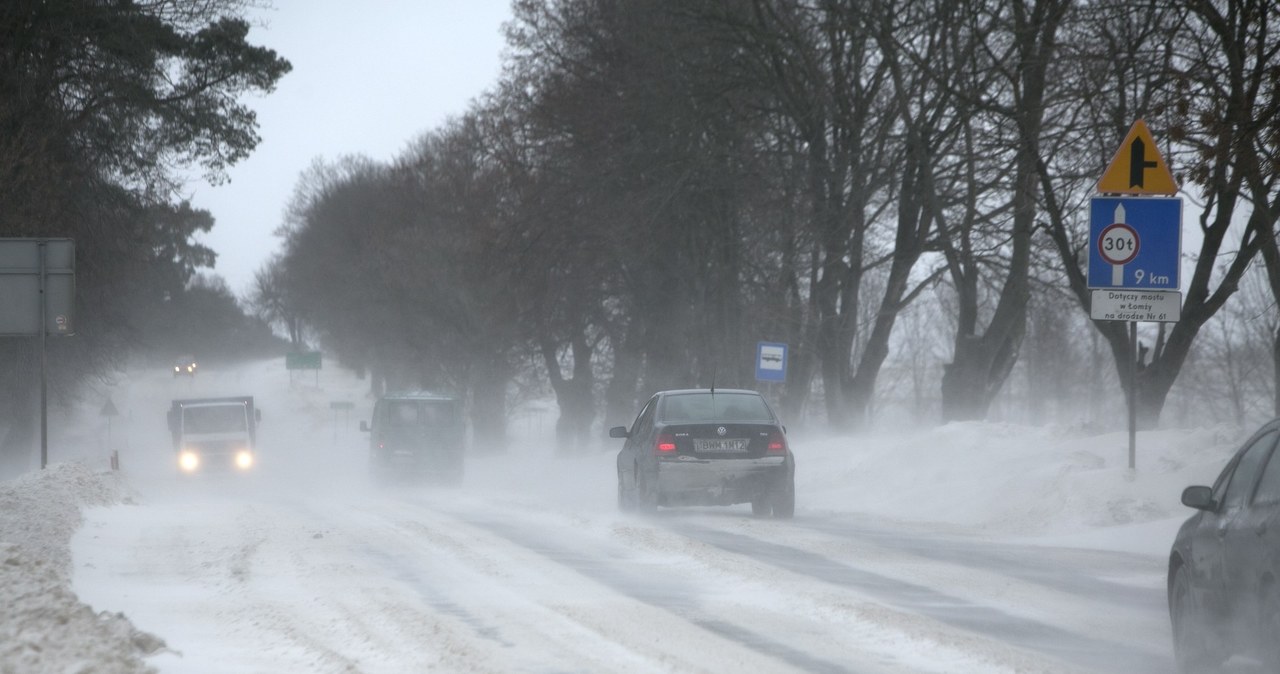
[417, 435]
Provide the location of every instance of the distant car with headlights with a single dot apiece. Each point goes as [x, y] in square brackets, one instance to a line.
[185, 365]
[417, 435]
[1224, 566]
[215, 434]
[706, 447]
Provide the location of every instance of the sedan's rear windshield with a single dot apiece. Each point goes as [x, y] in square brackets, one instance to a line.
[686, 407]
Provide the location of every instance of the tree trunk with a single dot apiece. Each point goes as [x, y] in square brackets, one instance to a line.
[861, 390]
[1275, 366]
[837, 327]
[982, 363]
[795, 392]
[1270, 250]
[295, 332]
[965, 383]
[490, 377]
[911, 232]
[573, 396]
[620, 393]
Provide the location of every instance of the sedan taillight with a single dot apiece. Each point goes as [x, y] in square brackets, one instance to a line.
[777, 443]
[666, 444]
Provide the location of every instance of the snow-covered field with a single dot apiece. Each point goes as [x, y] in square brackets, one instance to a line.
[966, 548]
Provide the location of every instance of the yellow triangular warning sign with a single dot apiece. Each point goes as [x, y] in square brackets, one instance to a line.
[1138, 167]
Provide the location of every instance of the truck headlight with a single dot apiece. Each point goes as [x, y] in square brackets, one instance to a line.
[188, 461]
[244, 459]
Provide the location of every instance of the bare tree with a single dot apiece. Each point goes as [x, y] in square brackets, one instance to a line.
[1208, 74]
[1017, 43]
[269, 299]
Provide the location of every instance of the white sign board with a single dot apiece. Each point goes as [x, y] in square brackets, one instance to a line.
[1154, 306]
[21, 262]
[771, 361]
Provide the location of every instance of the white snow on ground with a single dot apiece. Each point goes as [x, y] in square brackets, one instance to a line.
[1042, 483]
[242, 568]
[43, 626]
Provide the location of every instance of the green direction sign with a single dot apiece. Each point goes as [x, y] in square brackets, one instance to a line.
[302, 360]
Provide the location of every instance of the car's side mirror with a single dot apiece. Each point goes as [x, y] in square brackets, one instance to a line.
[619, 432]
[1200, 498]
[364, 426]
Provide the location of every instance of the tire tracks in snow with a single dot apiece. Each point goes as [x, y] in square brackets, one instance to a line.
[845, 632]
[1017, 636]
[1032, 564]
[1095, 654]
[673, 596]
[513, 605]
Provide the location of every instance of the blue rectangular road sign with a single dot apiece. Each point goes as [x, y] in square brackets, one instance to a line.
[1135, 242]
[771, 361]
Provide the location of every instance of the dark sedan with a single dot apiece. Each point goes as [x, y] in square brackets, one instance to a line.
[1224, 598]
[706, 447]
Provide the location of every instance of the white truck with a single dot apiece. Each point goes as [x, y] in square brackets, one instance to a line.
[214, 434]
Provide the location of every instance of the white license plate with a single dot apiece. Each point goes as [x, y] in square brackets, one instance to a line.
[720, 445]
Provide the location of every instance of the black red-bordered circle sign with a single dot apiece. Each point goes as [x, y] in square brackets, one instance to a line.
[1118, 243]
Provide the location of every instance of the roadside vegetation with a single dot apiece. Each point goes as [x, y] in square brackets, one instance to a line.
[897, 190]
[103, 107]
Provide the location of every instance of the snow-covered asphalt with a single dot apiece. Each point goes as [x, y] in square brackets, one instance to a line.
[258, 576]
[309, 565]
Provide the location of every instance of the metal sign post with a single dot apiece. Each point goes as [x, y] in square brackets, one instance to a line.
[37, 298]
[1133, 395]
[44, 359]
[1135, 250]
[109, 410]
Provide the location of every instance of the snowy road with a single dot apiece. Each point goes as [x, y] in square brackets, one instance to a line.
[528, 566]
[246, 577]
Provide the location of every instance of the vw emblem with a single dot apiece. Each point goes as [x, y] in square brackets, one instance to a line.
[721, 430]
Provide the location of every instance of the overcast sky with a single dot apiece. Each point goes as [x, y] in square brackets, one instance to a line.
[367, 78]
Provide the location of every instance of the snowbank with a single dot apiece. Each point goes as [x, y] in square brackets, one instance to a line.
[43, 626]
[1064, 486]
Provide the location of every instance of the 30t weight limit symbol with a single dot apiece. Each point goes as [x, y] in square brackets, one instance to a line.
[1118, 245]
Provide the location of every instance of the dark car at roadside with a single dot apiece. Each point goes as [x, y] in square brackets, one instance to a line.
[417, 435]
[1224, 567]
[706, 447]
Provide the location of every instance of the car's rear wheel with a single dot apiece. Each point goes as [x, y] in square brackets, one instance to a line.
[1269, 624]
[784, 499]
[624, 499]
[779, 501]
[646, 493]
[1194, 646]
